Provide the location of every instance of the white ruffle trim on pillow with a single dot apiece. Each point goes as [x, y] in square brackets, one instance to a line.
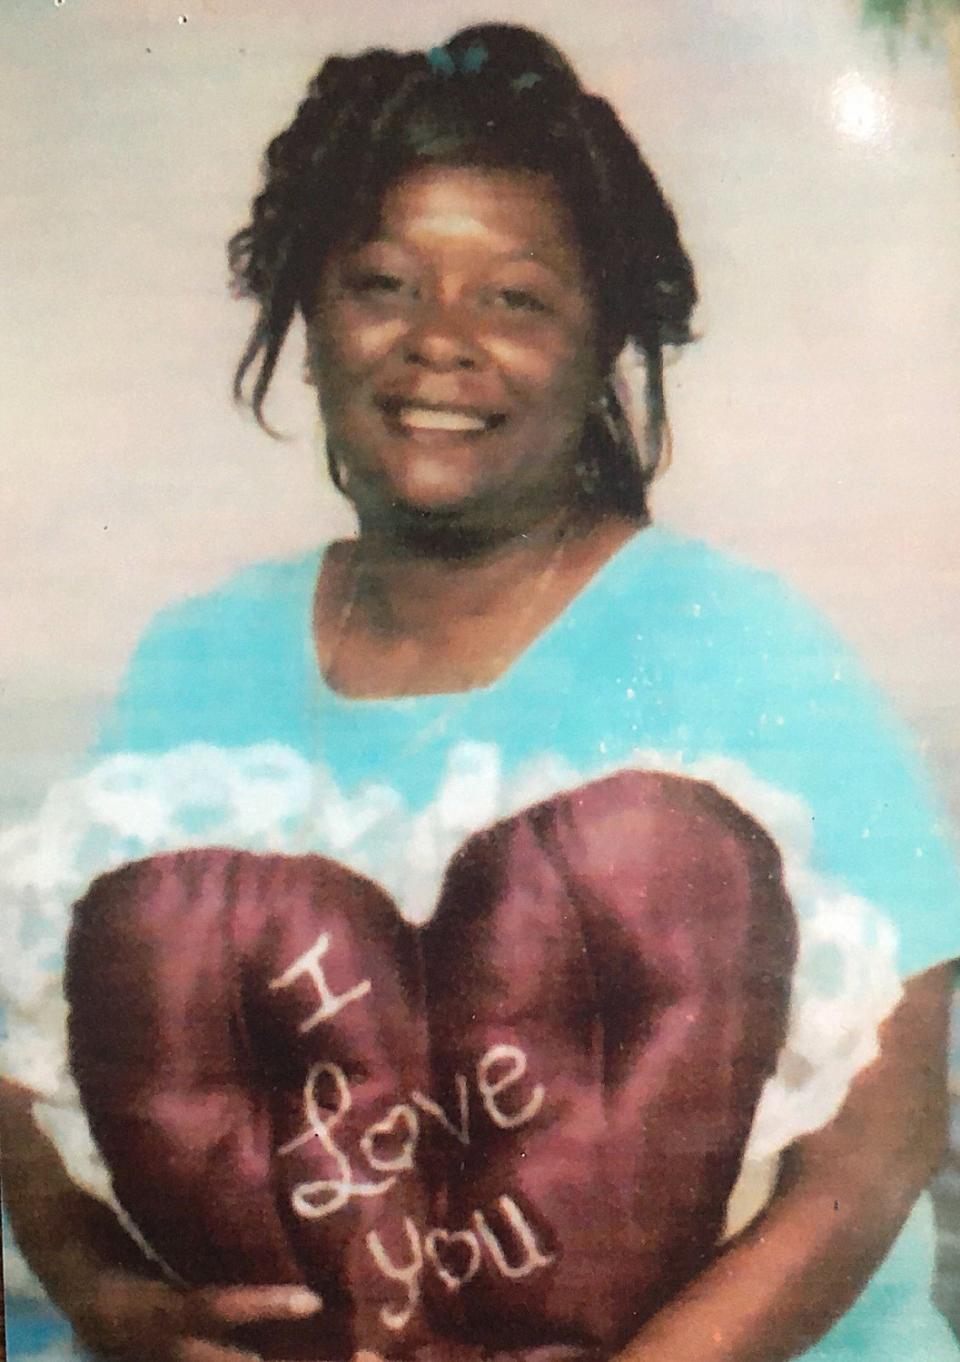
[268, 798]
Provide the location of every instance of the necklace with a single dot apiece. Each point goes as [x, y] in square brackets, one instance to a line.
[513, 641]
[398, 732]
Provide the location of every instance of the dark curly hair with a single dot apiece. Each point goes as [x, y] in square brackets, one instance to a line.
[497, 96]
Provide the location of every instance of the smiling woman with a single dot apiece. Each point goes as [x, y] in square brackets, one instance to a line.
[455, 354]
[511, 929]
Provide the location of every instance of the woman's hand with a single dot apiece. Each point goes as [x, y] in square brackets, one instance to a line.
[99, 1277]
[123, 1315]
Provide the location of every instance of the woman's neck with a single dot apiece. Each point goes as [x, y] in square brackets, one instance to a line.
[399, 616]
[407, 586]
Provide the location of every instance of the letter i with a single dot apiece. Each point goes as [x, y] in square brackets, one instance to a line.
[309, 964]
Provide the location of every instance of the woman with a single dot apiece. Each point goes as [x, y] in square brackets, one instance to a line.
[615, 728]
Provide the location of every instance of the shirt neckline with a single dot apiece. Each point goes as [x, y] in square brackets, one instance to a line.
[637, 548]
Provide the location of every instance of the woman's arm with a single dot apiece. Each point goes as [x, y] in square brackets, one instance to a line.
[843, 1196]
[110, 1292]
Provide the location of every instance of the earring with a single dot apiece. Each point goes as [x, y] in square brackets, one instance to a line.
[335, 469]
[587, 469]
[615, 406]
[326, 459]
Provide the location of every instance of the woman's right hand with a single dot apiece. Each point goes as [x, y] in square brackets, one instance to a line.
[123, 1315]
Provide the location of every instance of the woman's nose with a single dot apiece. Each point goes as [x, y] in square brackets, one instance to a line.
[442, 337]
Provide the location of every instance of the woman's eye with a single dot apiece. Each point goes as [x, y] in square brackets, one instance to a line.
[522, 300]
[377, 281]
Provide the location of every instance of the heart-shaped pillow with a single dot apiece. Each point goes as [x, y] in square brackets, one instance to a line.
[515, 1127]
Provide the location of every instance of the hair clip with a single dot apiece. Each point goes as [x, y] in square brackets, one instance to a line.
[470, 62]
[440, 61]
[526, 82]
[474, 59]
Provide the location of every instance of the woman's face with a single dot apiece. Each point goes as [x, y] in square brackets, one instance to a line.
[455, 352]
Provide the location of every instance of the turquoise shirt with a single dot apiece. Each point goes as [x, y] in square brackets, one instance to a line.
[672, 647]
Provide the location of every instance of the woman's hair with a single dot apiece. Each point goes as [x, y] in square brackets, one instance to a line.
[495, 96]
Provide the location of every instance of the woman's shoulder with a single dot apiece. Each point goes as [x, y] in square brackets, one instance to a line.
[255, 606]
[270, 581]
[686, 582]
[740, 648]
[223, 665]
[678, 558]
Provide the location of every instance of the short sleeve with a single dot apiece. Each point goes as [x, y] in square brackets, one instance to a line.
[867, 851]
[723, 659]
[821, 729]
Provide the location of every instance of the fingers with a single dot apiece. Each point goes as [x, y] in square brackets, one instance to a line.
[229, 1306]
[133, 1317]
[202, 1350]
[215, 1309]
[120, 1314]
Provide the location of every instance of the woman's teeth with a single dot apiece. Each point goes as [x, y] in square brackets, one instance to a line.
[422, 418]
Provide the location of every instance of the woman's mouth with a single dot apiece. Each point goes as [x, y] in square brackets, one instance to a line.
[426, 418]
[420, 418]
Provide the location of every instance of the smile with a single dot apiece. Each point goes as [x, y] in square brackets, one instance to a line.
[424, 417]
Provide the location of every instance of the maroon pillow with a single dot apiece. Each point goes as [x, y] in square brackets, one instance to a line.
[516, 1127]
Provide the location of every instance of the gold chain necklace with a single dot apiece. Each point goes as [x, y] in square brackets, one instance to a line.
[514, 645]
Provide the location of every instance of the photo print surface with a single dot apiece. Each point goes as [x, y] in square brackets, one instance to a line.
[478, 853]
